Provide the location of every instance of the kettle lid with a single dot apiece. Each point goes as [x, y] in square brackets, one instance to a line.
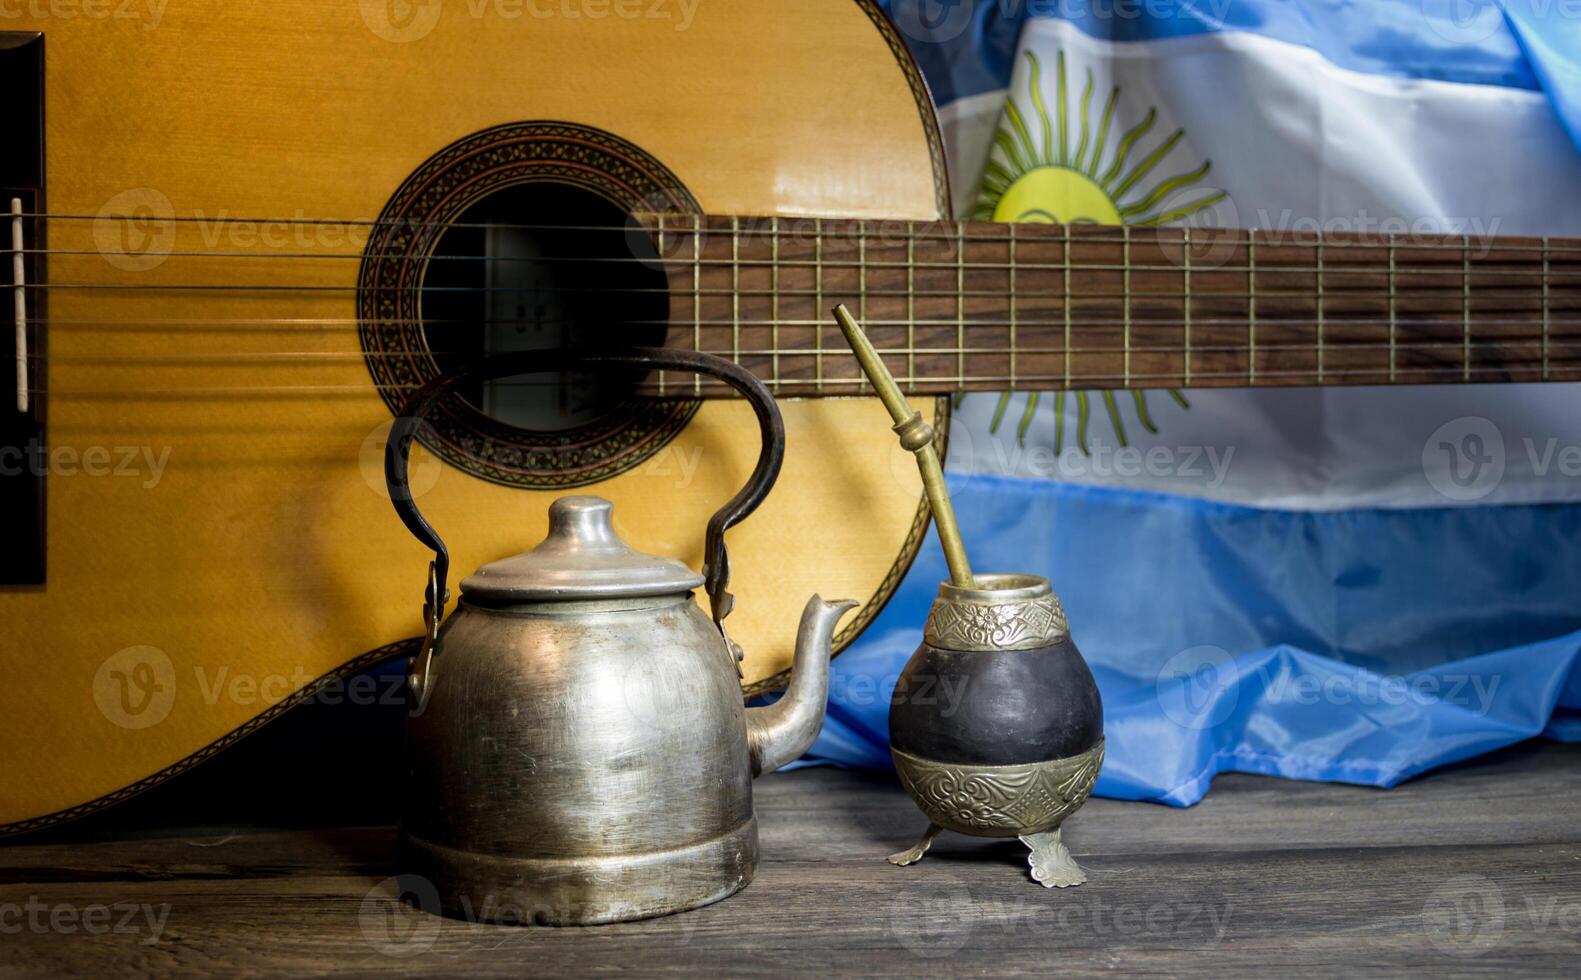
[582, 558]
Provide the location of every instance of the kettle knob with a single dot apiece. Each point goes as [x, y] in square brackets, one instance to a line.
[583, 522]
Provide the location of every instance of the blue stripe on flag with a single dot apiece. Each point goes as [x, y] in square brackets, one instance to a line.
[1357, 646]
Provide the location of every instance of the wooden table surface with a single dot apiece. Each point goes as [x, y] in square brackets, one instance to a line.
[1474, 870]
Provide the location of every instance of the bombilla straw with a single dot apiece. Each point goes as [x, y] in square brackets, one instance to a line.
[915, 436]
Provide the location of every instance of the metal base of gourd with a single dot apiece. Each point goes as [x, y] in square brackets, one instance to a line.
[1050, 860]
[1028, 802]
[583, 891]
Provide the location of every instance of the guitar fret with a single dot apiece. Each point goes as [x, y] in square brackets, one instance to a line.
[735, 288]
[817, 336]
[861, 280]
[1465, 307]
[1066, 309]
[960, 300]
[774, 298]
[1125, 304]
[1320, 311]
[861, 269]
[1545, 307]
[660, 238]
[1251, 307]
[1185, 288]
[911, 306]
[697, 298]
[1393, 320]
[1013, 307]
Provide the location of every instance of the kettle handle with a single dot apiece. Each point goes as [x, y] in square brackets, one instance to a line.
[716, 568]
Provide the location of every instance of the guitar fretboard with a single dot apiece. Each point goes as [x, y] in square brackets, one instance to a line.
[964, 306]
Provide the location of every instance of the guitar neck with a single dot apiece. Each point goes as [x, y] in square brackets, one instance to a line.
[983, 306]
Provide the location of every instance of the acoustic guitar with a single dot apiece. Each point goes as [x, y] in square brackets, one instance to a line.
[241, 234]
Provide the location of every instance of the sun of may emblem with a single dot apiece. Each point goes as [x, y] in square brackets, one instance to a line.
[1093, 182]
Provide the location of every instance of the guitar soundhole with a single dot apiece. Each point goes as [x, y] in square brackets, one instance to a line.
[541, 266]
[519, 238]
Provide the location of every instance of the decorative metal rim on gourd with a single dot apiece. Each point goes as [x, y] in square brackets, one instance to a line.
[1002, 612]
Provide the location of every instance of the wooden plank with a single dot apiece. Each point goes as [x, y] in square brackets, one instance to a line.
[1470, 871]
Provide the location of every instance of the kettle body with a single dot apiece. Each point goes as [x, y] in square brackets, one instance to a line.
[577, 747]
[580, 761]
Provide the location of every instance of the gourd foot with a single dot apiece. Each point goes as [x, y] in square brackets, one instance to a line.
[1052, 864]
[914, 853]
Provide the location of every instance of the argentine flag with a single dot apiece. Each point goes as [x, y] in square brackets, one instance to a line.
[1350, 584]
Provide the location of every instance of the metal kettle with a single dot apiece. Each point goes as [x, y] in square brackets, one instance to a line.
[577, 750]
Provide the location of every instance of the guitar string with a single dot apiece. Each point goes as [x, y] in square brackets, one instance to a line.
[186, 287]
[1041, 381]
[1453, 265]
[810, 228]
[199, 357]
[1451, 318]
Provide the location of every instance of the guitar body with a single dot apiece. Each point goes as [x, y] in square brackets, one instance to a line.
[219, 540]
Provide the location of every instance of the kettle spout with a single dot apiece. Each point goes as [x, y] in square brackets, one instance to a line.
[779, 732]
